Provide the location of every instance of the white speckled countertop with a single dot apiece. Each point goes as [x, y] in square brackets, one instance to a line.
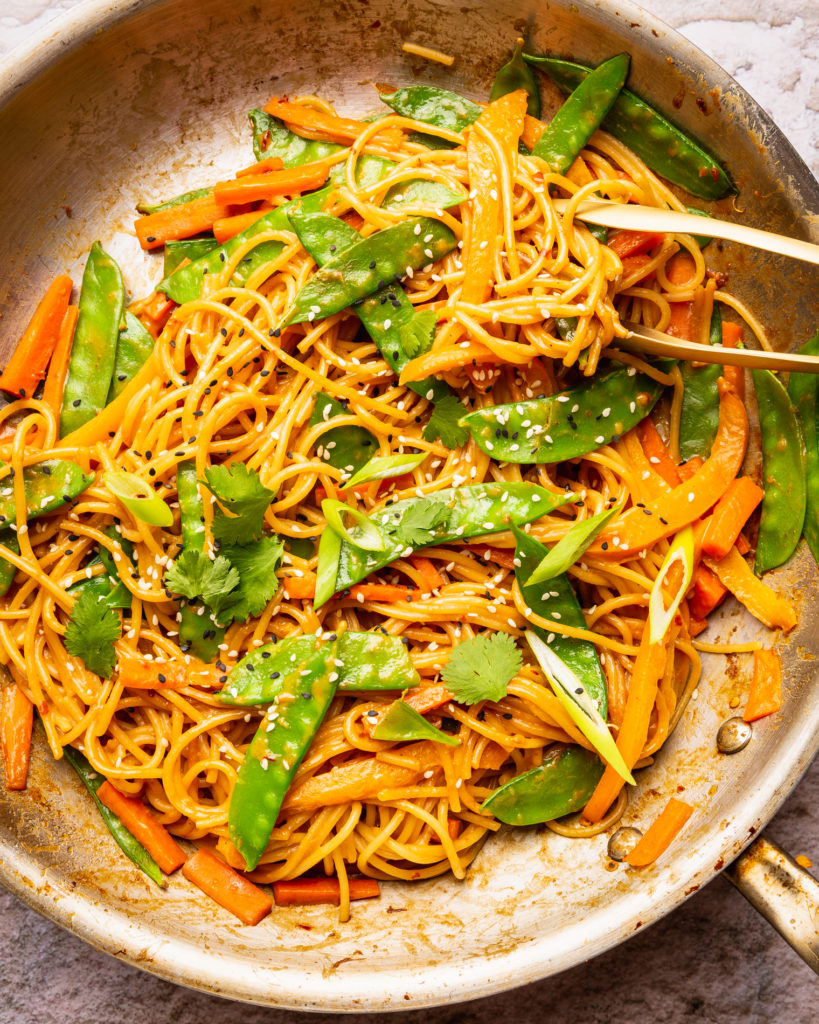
[713, 960]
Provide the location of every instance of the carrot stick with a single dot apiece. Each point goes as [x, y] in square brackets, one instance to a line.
[696, 626]
[388, 593]
[506, 559]
[139, 821]
[631, 264]
[230, 889]
[182, 221]
[270, 163]
[634, 243]
[432, 578]
[228, 227]
[732, 335]
[707, 593]
[26, 368]
[765, 695]
[300, 588]
[427, 698]
[742, 545]
[688, 469]
[680, 268]
[315, 124]
[730, 514]
[305, 892]
[58, 365]
[154, 312]
[289, 181]
[657, 453]
[765, 605]
[141, 674]
[16, 722]
[450, 358]
[321, 492]
[660, 833]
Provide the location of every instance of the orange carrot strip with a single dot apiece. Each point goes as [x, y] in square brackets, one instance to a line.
[154, 312]
[765, 695]
[634, 263]
[707, 593]
[58, 365]
[680, 268]
[387, 593]
[315, 124]
[732, 335]
[450, 358]
[506, 559]
[683, 320]
[228, 227]
[141, 674]
[427, 698]
[305, 892]
[655, 449]
[300, 588]
[230, 889]
[27, 366]
[765, 605]
[286, 182]
[687, 469]
[432, 578]
[634, 243]
[182, 221]
[696, 626]
[742, 545]
[503, 118]
[660, 833]
[731, 513]
[143, 826]
[648, 669]
[270, 163]
[16, 722]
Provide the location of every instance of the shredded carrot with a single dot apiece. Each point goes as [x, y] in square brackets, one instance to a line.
[305, 892]
[289, 181]
[139, 821]
[315, 124]
[730, 514]
[28, 362]
[506, 559]
[387, 593]
[634, 243]
[228, 227]
[450, 358]
[765, 605]
[300, 588]
[765, 695]
[58, 365]
[732, 335]
[230, 889]
[16, 723]
[424, 699]
[270, 163]
[660, 833]
[706, 594]
[183, 221]
[141, 674]
[432, 578]
[657, 453]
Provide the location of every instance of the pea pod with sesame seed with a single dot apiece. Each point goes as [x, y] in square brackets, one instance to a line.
[347, 448]
[700, 406]
[565, 425]
[7, 570]
[48, 485]
[134, 345]
[107, 586]
[666, 149]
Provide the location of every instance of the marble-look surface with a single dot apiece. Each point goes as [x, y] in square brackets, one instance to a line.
[714, 960]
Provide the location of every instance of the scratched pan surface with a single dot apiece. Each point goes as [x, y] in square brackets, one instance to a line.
[130, 100]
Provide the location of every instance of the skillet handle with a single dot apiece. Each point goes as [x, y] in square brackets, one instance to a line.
[783, 892]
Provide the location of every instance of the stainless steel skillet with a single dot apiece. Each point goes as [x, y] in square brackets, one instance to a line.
[155, 103]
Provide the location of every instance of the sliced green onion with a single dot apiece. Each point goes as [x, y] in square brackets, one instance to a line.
[384, 467]
[329, 550]
[581, 708]
[659, 617]
[138, 497]
[402, 722]
[369, 538]
[569, 548]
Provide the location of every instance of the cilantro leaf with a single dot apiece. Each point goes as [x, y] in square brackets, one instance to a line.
[443, 423]
[418, 334]
[255, 566]
[92, 630]
[193, 575]
[482, 668]
[418, 523]
[243, 495]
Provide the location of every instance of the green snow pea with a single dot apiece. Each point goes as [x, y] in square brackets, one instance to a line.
[702, 240]
[93, 352]
[361, 661]
[582, 113]
[275, 753]
[402, 722]
[700, 405]
[166, 204]
[301, 547]
[516, 74]
[439, 107]
[48, 485]
[784, 471]
[369, 265]
[134, 345]
[108, 586]
[563, 783]
[662, 145]
[557, 600]
[346, 448]
[131, 847]
[803, 390]
[198, 632]
[566, 425]
[271, 138]
[175, 252]
[7, 570]
[464, 512]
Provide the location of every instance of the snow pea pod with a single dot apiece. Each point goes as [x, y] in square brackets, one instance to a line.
[803, 390]
[440, 107]
[198, 632]
[48, 485]
[784, 470]
[134, 345]
[166, 204]
[565, 425]
[362, 661]
[107, 586]
[93, 351]
[271, 138]
[700, 406]
[275, 753]
[516, 74]
[563, 783]
[471, 511]
[662, 145]
[176, 252]
[370, 264]
[557, 600]
[131, 847]
[582, 113]
[346, 448]
[7, 570]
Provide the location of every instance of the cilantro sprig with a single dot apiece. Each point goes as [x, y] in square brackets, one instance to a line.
[93, 629]
[420, 521]
[443, 423]
[481, 668]
[243, 499]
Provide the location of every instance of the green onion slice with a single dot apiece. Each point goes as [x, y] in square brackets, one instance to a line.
[384, 467]
[329, 550]
[581, 708]
[402, 722]
[369, 537]
[138, 497]
[570, 548]
[659, 617]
